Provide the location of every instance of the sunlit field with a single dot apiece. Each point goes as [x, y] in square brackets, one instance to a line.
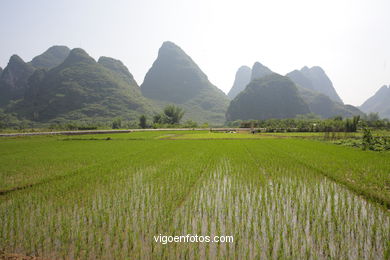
[107, 196]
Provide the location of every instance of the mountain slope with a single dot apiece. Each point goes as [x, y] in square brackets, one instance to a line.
[259, 70]
[118, 67]
[175, 78]
[272, 96]
[325, 107]
[313, 94]
[51, 58]
[315, 79]
[378, 103]
[13, 80]
[241, 80]
[80, 88]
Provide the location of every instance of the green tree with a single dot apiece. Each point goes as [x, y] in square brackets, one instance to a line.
[351, 125]
[142, 121]
[368, 140]
[157, 119]
[190, 124]
[172, 114]
[117, 123]
[372, 117]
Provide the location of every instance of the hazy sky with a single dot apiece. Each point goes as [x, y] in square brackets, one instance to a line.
[349, 39]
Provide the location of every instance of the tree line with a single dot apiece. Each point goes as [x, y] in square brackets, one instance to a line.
[310, 123]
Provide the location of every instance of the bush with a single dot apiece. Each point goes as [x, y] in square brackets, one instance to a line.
[367, 140]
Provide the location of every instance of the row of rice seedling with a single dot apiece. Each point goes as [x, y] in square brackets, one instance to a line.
[365, 172]
[279, 212]
[60, 210]
[272, 204]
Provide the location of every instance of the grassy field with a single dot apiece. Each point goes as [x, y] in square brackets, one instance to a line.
[107, 196]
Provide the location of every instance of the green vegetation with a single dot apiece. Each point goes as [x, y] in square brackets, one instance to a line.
[211, 136]
[310, 123]
[117, 123]
[142, 121]
[106, 196]
[374, 143]
[171, 115]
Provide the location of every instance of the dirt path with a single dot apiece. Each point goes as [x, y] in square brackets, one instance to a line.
[85, 132]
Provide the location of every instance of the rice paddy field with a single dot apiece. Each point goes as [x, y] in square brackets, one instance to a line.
[107, 196]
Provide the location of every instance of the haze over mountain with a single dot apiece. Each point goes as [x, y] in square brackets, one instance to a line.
[242, 78]
[378, 103]
[175, 78]
[70, 85]
[325, 107]
[13, 80]
[259, 70]
[272, 96]
[315, 79]
[352, 46]
[51, 58]
[317, 90]
[245, 75]
[80, 88]
[118, 67]
[312, 85]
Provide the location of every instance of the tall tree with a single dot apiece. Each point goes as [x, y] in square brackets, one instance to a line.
[173, 114]
[142, 121]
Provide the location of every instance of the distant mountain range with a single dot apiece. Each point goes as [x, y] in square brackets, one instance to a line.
[62, 85]
[81, 88]
[313, 86]
[378, 103]
[245, 75]
[315, 79]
